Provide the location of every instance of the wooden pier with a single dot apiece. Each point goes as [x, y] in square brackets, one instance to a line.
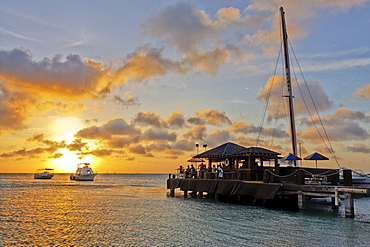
[247, 179]
[286, 195]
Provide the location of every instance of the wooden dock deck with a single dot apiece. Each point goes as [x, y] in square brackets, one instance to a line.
[290, 195]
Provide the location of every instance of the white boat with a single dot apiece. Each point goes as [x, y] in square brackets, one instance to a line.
[44, 173]
[83, 173]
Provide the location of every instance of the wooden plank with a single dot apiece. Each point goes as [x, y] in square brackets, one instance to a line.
[354, 190]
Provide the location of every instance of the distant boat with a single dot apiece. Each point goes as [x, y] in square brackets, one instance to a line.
[83, 173]
[44, 173]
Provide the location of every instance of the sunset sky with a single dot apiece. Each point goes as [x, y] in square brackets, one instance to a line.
[132, 86]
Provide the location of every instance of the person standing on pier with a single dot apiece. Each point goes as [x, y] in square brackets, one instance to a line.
[220, 172]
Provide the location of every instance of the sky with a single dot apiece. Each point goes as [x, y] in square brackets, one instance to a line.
[133, 86]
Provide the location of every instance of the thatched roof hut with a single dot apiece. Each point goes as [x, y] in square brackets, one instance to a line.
[230, 149]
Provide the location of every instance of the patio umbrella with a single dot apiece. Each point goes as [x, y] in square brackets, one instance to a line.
[291, 157]
[316, 156]
[195, 160]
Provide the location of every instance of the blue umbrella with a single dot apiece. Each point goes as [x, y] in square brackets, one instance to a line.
[291, 157]
[316, 156]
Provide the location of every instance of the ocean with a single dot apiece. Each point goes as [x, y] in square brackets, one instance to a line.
[135, 210]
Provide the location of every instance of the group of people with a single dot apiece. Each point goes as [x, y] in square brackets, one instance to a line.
[190, 171]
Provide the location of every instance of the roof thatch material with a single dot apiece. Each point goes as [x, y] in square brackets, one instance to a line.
[232, 149]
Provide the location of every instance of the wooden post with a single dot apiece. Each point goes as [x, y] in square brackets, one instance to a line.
[172, 192]
[300, 177]
[349, 206]
[301, 201]
[347, 177]
[335, 200]
[266, 176]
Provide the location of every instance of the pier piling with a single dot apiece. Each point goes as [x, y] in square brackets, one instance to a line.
[349, 206]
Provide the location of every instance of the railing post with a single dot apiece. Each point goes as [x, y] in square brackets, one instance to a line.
[347, 177]
[300, 177]
[266, 176]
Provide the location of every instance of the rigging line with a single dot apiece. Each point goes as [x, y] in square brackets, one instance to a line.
[267, 100]
[331, 149]
[278, 103]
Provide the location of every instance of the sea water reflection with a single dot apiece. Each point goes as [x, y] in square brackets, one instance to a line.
[119, 210]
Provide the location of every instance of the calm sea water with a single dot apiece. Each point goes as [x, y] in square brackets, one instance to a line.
[134, 210]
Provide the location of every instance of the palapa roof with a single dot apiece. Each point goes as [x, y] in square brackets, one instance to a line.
[232, 149]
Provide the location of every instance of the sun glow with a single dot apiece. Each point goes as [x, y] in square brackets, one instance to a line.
[68, 162]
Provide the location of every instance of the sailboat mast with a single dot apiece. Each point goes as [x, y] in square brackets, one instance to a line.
[289, 85]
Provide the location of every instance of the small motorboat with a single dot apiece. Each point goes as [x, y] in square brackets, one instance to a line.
[44, 173]
[83, 173]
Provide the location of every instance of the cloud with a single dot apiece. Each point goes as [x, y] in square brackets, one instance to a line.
[54, 77]
[363, 93]
[13, 109]
[104, 152]
[127, 100]
[213, 117]
[29, 87]
[359, 148]
[276, 88]
[51, 149]
[155, 135]
[114, 127]
[194, 34]
[245, 128]
[138, 149]
[176, 120]
[184, 145]
[147, 62]
[341, 116]
[342, 125]
[199, 132]
[182, 26]
[122, 142]
[149, 119]
[217, 137]
[349, 132]
[77, 145]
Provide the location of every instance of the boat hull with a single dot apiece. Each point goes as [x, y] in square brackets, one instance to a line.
[83, 177]
[43, 176]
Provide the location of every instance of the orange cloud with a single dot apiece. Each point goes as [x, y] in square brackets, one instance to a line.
[114, 127]
[213, 117]
[52, 77]
[363, 93]
[276, 88]
[199, 132]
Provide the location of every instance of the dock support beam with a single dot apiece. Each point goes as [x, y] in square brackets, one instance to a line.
[335, 199]
[301, 201]
[349, 206]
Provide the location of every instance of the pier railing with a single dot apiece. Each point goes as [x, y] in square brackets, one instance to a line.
[295, 175]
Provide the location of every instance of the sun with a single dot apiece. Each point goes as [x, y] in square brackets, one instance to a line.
[69, 161]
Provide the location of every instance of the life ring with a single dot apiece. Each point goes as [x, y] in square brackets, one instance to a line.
[227, 162]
